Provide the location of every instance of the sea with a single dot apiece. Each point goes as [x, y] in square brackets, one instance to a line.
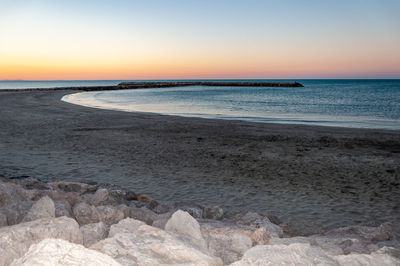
[354, 103]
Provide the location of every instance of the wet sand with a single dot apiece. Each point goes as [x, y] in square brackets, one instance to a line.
[327, 176]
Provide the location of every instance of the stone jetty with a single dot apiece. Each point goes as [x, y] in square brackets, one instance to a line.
[167, 84]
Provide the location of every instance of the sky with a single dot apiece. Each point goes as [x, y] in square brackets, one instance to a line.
[187, 39]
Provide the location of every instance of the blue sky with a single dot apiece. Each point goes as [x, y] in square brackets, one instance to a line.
[199, 39]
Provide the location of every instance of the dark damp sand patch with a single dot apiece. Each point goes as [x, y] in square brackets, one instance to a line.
[325, 176]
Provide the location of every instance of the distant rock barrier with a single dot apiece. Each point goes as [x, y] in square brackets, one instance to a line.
[166, 84]
[134, 85]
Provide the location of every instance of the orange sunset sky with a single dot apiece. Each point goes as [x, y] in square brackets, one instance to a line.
[46, 40]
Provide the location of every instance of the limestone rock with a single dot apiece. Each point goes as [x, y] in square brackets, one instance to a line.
[125, 210]
[261, 236]
[347, 244]
[3, 220]
[143, 214]
[100, 197]
[375, 258]
[15, 240]
[32, 183]
[306, 254]
[250, 218]
[150, 204]
[183, 224]
[195, 212]
[192, 208]
[72, 197]
[294, 254]
[162, 208]
[272, 229]
[212, 212]
[109, 196]
[228, 243]
[162, 220]
[290, 240]
[119, 194]
[332, 245]
[93, 233]
[151, 246]
[85, 213]
[60, 252]
[11, 193]
[255, 220]
[127, 225]
[110, 214]
[394, 252]
[391, 243]
[43, 208]
[63, 208]
[329, 246]
[16, 212]
[374, 234]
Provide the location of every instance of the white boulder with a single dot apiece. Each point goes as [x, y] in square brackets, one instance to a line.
[43, 208]
[110, 214]
[93, 233]
[183, 224]
[228, 243]
[148, 245]
[51, 252]
[294, 254]
[375, 259]
[15, 240]
[127, 225]
[85, 213]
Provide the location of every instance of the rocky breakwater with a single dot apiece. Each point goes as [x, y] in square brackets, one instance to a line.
[71, 223]
[164, 84]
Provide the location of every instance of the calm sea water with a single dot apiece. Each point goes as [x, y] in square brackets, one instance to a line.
[26, 84]
[345, 103]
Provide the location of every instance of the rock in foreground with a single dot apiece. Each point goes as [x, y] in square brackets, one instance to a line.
[43, 208]
[294, 254]
[60, 252]
[93, 233]
[183, 224]
[15, 240]
[193, 235]
[152, 246]
[305, 254]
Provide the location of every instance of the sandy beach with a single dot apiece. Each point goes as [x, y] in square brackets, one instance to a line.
[326, 176]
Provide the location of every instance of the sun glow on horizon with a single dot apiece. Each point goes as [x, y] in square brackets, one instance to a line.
[44, 40]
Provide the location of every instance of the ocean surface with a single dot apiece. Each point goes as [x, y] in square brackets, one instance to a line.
[28, 84]
[343, 103]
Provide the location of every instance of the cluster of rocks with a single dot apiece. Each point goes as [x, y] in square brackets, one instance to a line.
[71, 223]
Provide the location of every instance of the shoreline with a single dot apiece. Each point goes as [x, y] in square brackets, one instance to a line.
[244, 164]
[281, 120]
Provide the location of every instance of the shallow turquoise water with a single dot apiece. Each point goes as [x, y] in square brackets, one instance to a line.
[345, 103]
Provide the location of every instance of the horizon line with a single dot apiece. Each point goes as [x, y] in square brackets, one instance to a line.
[183, 79]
